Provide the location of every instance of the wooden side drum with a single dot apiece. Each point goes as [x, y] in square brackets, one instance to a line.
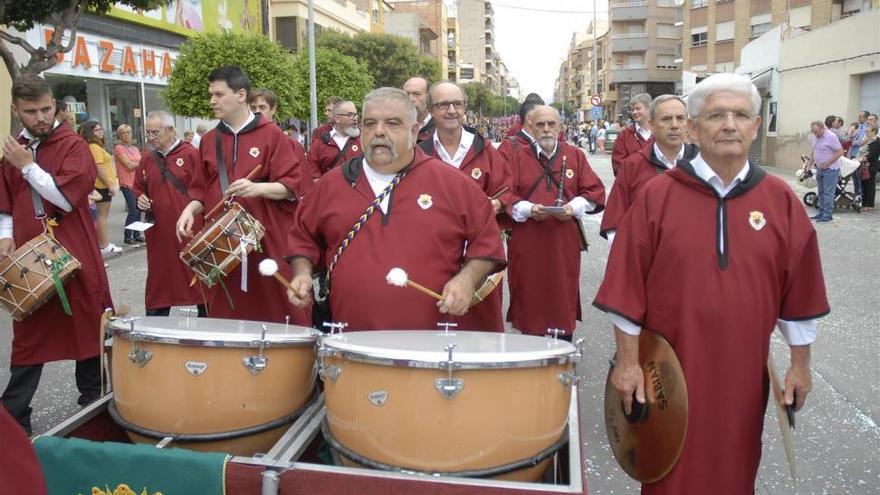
[210, 384]
[459, 404]
[26, 281]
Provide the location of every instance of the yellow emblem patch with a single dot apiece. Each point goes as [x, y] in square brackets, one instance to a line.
[569, 174]
[757, 220]
[179, 162]
[476, 173]
[425, 201]
[254, 152]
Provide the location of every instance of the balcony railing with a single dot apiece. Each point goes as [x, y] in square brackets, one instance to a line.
[626, 36]
[628, 67]
[629, 3]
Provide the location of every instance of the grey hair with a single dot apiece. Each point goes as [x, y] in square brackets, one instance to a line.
[734, 83]
[663, 99]
[430, 100]
[166, 118]
[338, 105]
[817, 123]
[392, 94]
[643, 98]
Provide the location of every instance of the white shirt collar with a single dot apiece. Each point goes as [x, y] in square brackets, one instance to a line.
[531, 138]
[339, 138]
[170, 148]
[705, 172]
[464, 144]
[378, 182]
[27, 135]
[250, 118]
[425, 121]
[660, 156]
[645, 133]
[540, 150]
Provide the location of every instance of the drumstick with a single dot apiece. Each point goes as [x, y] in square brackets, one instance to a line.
[499, 193]
[399, 278]
[250, 176]
[269, 268]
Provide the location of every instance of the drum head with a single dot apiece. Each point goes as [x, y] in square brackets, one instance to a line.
[428, 348]
[211, 332]
[648, 446]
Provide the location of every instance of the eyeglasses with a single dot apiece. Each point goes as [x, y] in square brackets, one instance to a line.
[444, 105]
[717, 117]
[153, 133]
[350, 115]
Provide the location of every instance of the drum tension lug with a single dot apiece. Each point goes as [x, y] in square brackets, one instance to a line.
[258, 363]
[568, 378]
[449, 387]
[136, 355]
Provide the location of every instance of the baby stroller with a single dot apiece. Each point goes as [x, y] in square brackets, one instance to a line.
[844, 197]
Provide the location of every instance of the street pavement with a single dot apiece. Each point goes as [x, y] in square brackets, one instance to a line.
[837, 437]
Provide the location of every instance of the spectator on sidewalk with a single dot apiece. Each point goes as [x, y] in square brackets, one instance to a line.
[869, 155]
[127, 158]
[106, 184]
[826, 156]
[859, 134]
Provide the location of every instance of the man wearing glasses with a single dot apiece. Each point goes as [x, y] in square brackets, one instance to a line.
[161, 185]
[341, 143]
[712, 255]
[466, 150]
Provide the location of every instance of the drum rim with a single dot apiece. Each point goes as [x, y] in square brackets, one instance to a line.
[193, 338]
[462, 360]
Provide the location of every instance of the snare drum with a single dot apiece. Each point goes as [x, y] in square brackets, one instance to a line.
[26, 281]
[219, 247]
[210, 384]
[458, 404]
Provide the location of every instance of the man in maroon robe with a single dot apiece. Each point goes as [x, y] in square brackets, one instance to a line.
[633, 138]
[161, 185]
[668, 120]
[417, 90]
[328, 119]
[712, 255]
[429, 220]
[245, 141]
[466, 150]
[264, 101]
[50, 159]
[341, 143]
[545, 248]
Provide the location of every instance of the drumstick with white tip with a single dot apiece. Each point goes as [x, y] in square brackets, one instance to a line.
[269, 268]
[399, 278]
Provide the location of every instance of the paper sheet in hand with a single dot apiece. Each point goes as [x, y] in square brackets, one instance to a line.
[139, 226]
[553, 210]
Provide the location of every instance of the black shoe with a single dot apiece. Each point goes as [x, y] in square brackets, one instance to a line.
[140, 239]
[130, 242]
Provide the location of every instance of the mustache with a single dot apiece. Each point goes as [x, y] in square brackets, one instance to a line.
[381, 141]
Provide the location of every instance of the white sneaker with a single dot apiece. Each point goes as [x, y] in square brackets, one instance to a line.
[110, 249]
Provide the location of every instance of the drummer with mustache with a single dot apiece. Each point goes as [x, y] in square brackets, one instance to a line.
[430, 220]
[49, 159]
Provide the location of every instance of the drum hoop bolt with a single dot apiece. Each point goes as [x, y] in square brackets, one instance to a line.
[136, 355]
[256, 364]
[449, 387]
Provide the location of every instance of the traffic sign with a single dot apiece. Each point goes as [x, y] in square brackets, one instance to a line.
[595, 113]
[595, 100]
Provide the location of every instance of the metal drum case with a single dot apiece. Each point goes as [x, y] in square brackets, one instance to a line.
[210, 384]
[460, 403]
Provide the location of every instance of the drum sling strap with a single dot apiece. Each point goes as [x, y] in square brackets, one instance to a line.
[341, 154]
[224, 185]
[55, 265]
[168, 176]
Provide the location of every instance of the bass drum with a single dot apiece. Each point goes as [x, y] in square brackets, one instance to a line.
[210, 384]
[470, 404]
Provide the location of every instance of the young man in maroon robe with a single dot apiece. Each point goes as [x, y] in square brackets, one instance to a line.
[246, 141]
[431, 221]
[668, 121]
[545, 248]
[50, 159]
[341, 143]
[161, 185]
[417, 90]
[713, 255]
[467, 151]
[264, 101]
[633, 138]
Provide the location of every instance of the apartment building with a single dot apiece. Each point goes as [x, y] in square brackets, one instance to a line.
[377, 10]
[433, 18]
[476, 24]
[288, 20]
[577, 73]
[452, 49]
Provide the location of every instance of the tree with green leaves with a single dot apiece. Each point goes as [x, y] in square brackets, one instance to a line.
[336, 75]
[480, 98]
[62, 16]
[391, 59]
[266, 64]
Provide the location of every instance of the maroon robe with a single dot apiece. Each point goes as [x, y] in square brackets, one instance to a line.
[326, 155]
[426, 132]
[629, 141]
[168, 277]
[308, 172]
[20, 470]
[515, 128]
[717, 309]
[485, 166]
[510, 146]
[260, 142]
[545, 256]
[637, 169]
[432, 213]
[49, 334]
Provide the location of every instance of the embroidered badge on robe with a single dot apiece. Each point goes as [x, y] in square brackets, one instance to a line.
[569, 173]
[757, 220]
[179, 162]
[354, 148]
[254, 152]
[425, 201]
[476, 173]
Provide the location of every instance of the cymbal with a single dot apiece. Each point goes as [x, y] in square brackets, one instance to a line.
[784, 413]
[648, 442]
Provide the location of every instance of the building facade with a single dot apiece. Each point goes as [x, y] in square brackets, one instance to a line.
[288, 20]
[453, 55]
[434, 19]
[476, 24]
